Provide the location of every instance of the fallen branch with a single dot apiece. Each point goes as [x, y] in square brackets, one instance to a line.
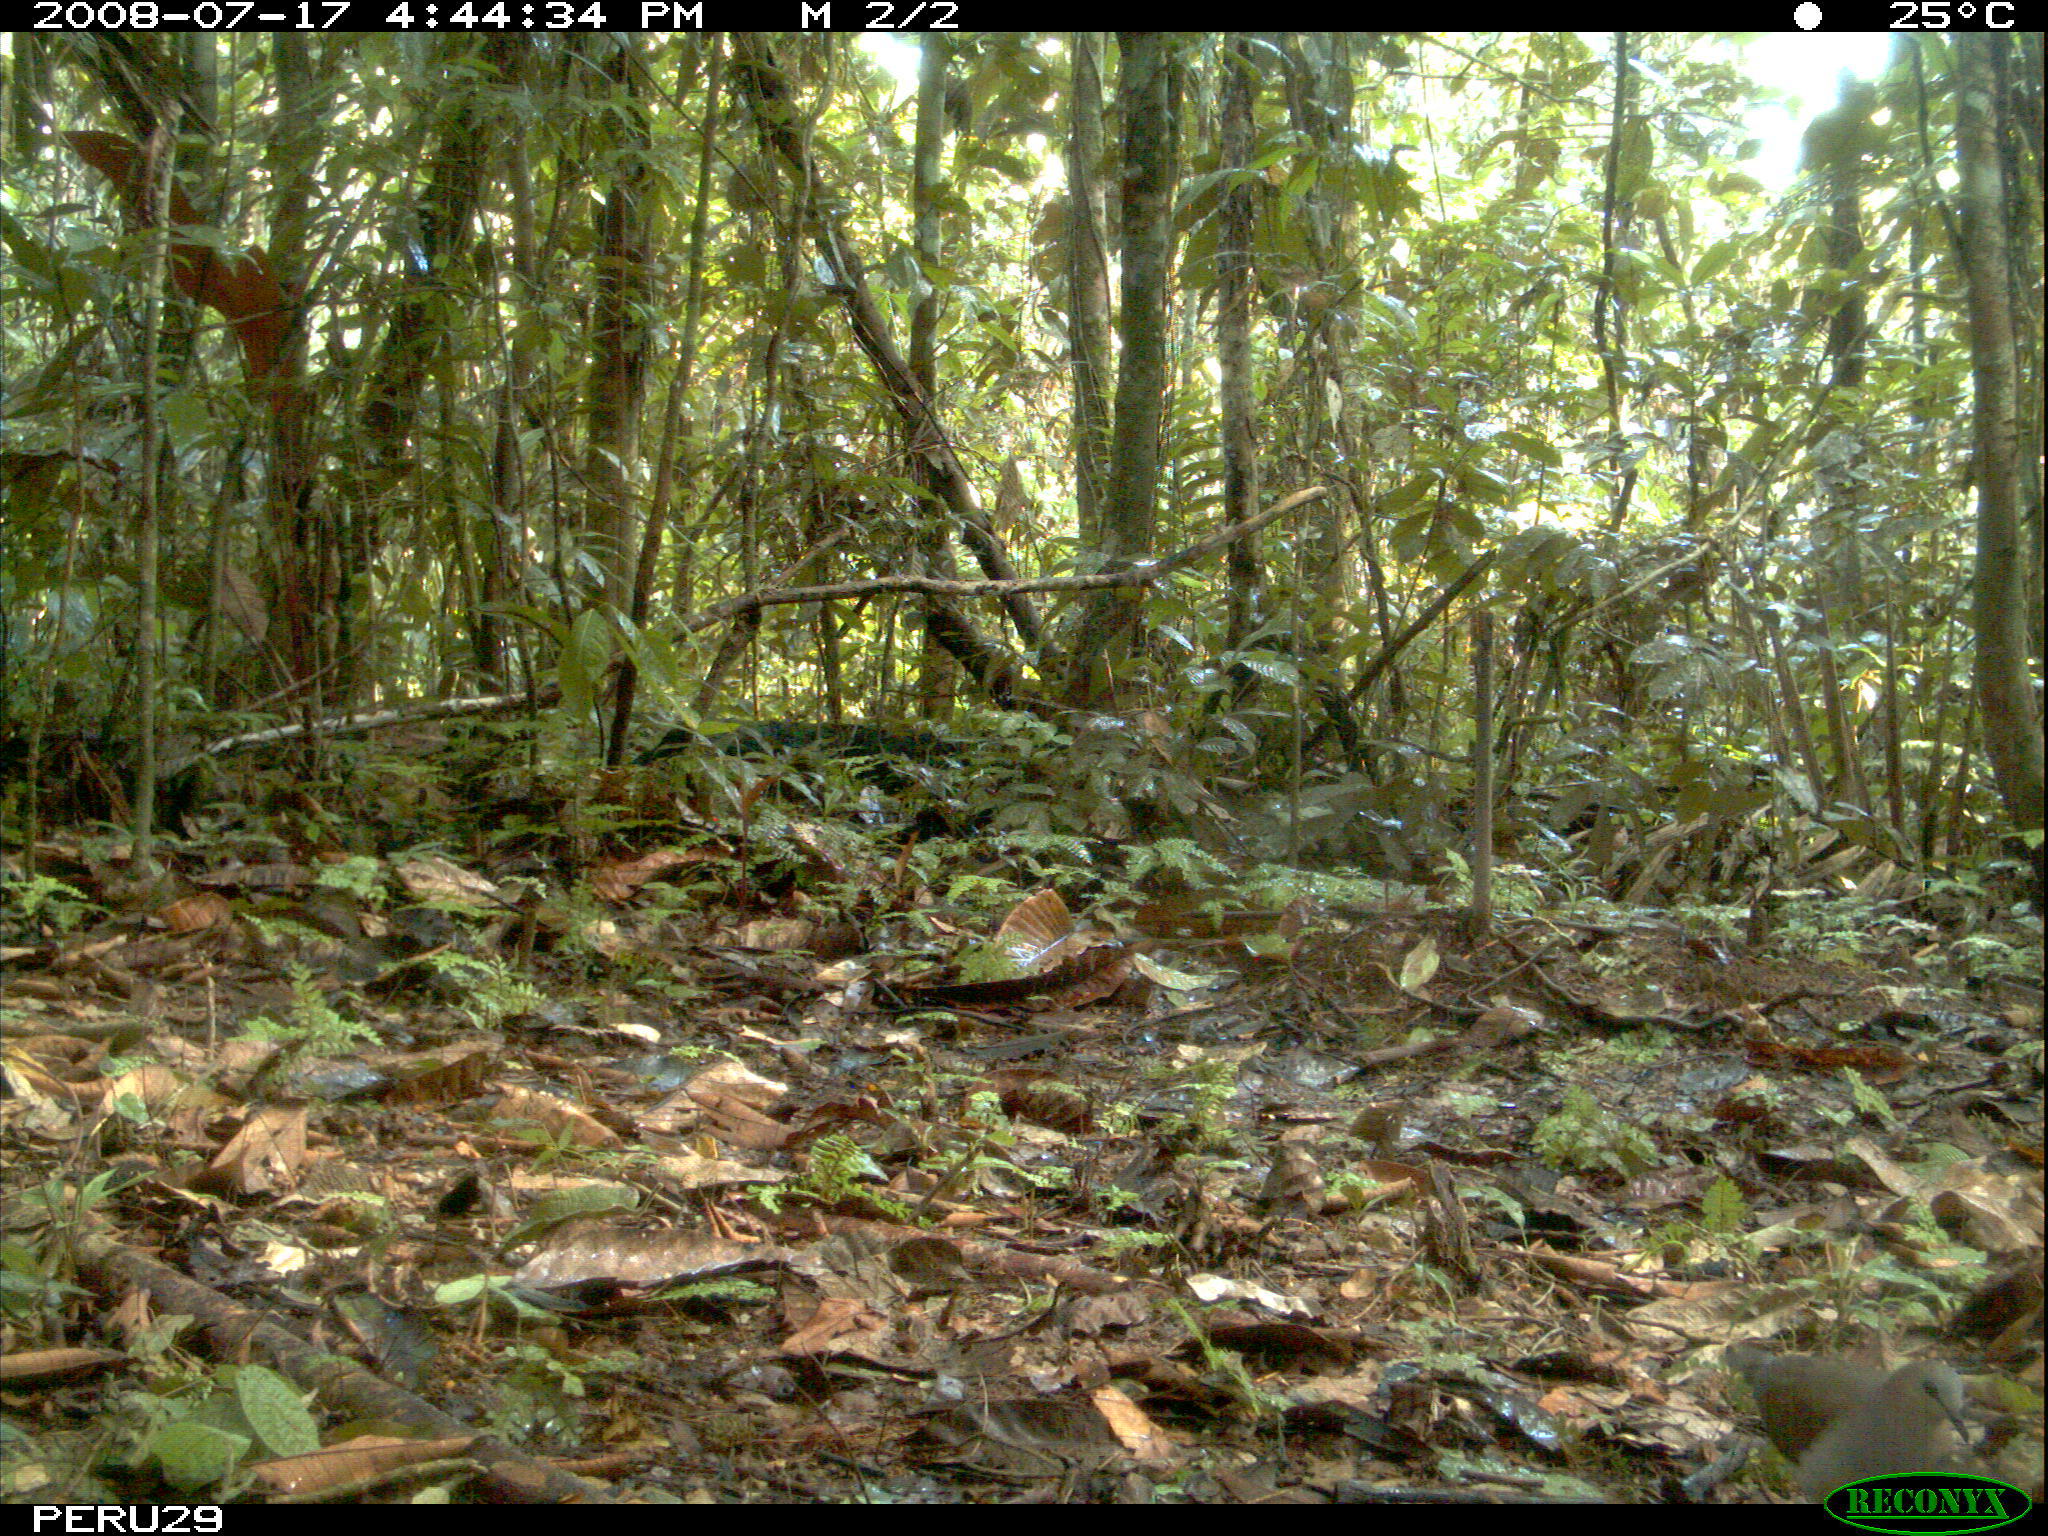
[1141, 574]
[1138, 575]
[237, 1333]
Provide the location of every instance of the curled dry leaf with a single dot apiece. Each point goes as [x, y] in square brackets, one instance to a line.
[555, 1116]
[437, 879]
[617, 879]
[1294, 1180]
[190, 914]
[354, 1463]
[265, 1155]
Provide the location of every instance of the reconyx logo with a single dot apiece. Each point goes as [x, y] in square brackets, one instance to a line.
[1927, 1504]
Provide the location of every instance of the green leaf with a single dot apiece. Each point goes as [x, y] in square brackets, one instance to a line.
[1722, 1208]
[194, 1455]
[1720, 255]
[1420, 965]
[455, 1293]
[276, 1410]
[1531, 446]
[565, 1204]
[582, 660]
[1867, 1099]
[1393, 314]
[1273, 668]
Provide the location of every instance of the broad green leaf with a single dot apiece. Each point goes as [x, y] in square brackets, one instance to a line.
[194, 1455]
[276, 1410]
[1420, 965]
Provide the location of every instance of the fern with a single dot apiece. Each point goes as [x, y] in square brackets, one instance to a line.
[1187, 861]
[980, 891]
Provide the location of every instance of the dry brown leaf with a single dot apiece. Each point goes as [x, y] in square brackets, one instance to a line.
[265, 1155]
[1034, 929]
[446, 1076]
[190, 914]
[617, 879]
[580, 1251]
[1129, 1423]
[1043, 1099]
[774, 933]
[555, 1116]
[437, 879]
[366, 1459]
[838, 1323]
[1294, 1180]
[162, 1091]
[32, 1367]
[728, 1081]
[24, 1075]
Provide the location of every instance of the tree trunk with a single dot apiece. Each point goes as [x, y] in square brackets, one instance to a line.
[2012, 723]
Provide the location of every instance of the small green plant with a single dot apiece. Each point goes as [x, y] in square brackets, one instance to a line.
[1715, 1236]
[1118, 1119]
[988, 962]
[1639, 1047]
[579, 1202]
[1868, 1101]
[1706, 918]
[1722, 1208]
[198, 1440]
[1214, 1084]
[1209, 1085]
[34, 1275]
[1986, 957]
[1457, 880]
[838, 1164]
[1582, 1135]
[1120, 1243]
[1871, 1291]
[67, 1204]
[1355, 1188]
[1517, 888]
[980, 893]
[1047, 857]
[32, 1298]
[553, 1146]
[312, 1022]
[984, 1108]
[1818, 925]
[1230, 1370]
[40, 899]
[491, 993]
[536, 1393]
[287, 933]
[1188, 862]
[839, 1170]
[489, 1293]
[987, 1127]
[359, 875]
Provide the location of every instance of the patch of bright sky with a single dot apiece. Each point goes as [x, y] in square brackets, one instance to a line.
[898, 55]
[1803, 68]
[1806, 69]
